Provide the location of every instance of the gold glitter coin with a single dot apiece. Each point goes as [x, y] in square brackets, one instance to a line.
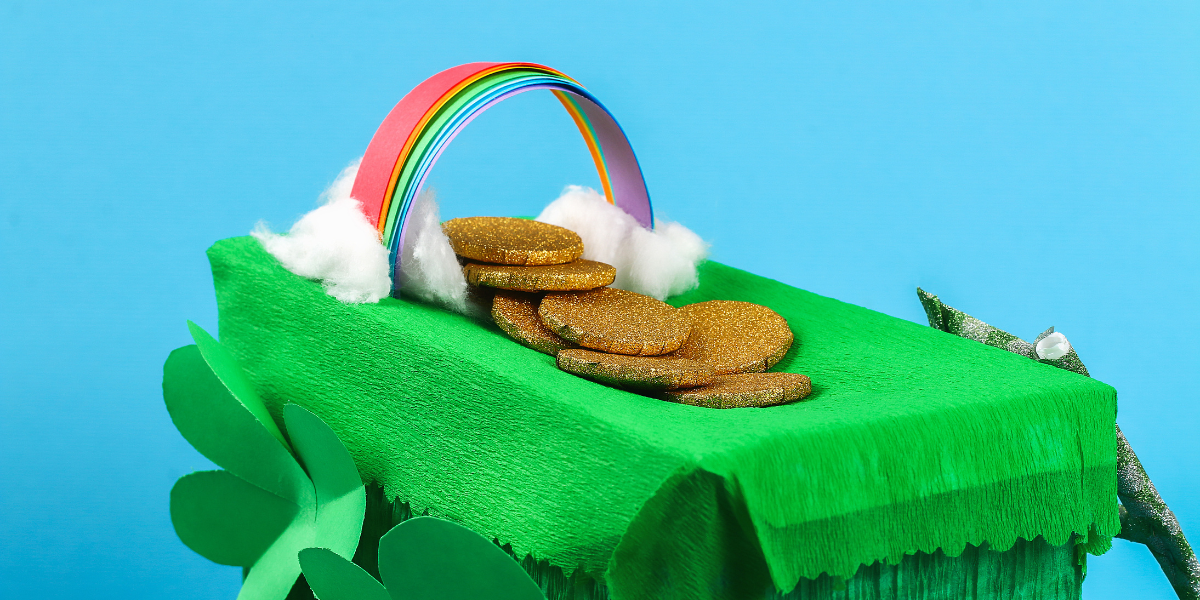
[735, 337]
[639, 372]
[616, 321]
[573, 276]
[517, 314]
[509, 241]
[743, 390]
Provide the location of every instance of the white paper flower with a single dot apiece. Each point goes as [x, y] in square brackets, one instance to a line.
[1053, 346]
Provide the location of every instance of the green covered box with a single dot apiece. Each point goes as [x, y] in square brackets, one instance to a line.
[922, 465]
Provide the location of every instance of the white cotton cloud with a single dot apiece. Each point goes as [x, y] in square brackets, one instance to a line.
[657, 263]
[335, 244]
[429, 269]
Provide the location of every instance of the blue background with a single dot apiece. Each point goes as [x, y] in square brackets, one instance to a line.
[1032, 164]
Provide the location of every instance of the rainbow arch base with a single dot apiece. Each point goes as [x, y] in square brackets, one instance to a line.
[417, 130]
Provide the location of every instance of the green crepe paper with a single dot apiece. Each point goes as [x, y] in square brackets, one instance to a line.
[1145, 517]
[951, 320]
[264, 508]
[1032, 570]
[912, 441]
[423, 559]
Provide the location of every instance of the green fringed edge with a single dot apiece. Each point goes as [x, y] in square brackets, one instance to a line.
[1030, 570]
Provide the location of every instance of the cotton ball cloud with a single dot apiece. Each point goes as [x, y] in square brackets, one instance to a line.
[658, 263]
[429, 269]
[335, 244]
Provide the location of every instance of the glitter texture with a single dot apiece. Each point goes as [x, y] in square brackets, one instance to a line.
[735, 337]
[578, 275]
[516, 313]
[640, 372]
[746, 390]
[616, 321]
[509, 241]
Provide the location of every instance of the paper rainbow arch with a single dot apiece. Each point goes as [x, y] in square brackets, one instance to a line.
[412, 137]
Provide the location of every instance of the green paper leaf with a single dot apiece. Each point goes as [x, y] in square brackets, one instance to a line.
[224, 430]
[274, 574]
[332, 577]
[341, 499]
[234, 378]
[225, 519]
[430, 559]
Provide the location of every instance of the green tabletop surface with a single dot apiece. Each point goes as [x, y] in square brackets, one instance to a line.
[913, 440]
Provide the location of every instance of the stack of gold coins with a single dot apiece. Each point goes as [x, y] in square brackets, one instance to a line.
[525, 256]
[712, 354]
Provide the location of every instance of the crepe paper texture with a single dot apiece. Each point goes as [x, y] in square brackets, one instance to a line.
[1145, 517]
[1031, 570]
[1028, 571]
[912, 441]
[423, 559]
[274, 498]
[418, 128]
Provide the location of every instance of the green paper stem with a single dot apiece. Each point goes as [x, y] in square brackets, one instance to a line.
[1145, 517]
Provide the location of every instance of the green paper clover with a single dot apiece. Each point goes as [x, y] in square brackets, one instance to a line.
[423, 559]
[273, 499]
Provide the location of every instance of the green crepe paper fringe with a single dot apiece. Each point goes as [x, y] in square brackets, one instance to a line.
[1030, 570]
[912, 441]
[951, 320]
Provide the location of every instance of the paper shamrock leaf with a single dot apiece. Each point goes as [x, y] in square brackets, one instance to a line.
[274, 498]
[423, 559]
